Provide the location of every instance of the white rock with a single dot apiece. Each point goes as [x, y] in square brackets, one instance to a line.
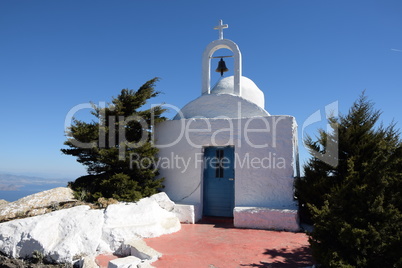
[89, 262]
[142, 219]
[61, 236]
[127, 262]
[140, 249]
[163, 201]
[67, 235]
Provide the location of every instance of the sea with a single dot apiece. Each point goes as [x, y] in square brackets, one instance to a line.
[15, 186]
[12, 196]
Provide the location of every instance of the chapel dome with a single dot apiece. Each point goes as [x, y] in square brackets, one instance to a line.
[249, 89]
[223, 103]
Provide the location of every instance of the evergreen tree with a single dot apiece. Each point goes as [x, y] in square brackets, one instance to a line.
[356, 206]
[107, 146]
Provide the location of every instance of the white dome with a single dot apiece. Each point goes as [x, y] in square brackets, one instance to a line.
[223, 103]
[249, 89]
[220, 106]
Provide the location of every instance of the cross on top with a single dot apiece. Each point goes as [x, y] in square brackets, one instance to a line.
[220, 27]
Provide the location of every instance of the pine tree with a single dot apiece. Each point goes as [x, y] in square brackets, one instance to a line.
[357, 207]
[106, 147]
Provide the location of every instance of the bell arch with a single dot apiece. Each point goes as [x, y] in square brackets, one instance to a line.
[206, 64]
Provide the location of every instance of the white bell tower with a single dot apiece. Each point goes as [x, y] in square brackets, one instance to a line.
[206, 61]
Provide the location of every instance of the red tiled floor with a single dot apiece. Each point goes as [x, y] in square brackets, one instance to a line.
[103, 260]
[220, 246]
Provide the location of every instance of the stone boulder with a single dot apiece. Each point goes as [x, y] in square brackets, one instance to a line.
[88, 262]
[36, 204]
[140, 249]
[163, 201]
[143, 219]
[69, 235]
[127, 262]
[62, 236]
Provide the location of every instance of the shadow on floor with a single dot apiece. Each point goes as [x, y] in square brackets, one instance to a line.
[300, 257]
[218, 222]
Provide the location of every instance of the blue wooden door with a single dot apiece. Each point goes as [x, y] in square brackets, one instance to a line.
[219, 181]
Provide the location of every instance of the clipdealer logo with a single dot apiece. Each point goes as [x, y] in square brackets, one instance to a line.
[175, 161]
[233, 132]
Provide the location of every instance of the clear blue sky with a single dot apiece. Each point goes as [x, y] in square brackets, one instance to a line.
[304, 55]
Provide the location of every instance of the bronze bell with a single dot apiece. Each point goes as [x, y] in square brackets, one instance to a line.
[221, 67]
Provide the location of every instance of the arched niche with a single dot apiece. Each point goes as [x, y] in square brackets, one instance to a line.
[206, 64]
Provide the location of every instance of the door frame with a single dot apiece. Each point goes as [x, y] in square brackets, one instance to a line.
[205, 166]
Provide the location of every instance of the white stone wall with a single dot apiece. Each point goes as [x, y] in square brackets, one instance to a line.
[266, 218]
[264, 152]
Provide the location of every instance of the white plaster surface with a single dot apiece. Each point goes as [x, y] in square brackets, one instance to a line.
[188, 213]
[249, 91]
[220, 106]
[198, 211]
[265, 218]
[231, 114]
[206, 64]
[185, 213]
[264, 158]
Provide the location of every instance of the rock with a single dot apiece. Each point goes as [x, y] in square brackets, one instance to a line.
[36, 204]
[62, 236]
[140, 249]
[10, 263]
[20, 263]
[89, 262]
[69, 235]
[137, 220]
[163, 201]
[127, 262]
[36, 212]
[3, 202]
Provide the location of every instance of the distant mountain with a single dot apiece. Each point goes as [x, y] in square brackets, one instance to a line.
[10, 182]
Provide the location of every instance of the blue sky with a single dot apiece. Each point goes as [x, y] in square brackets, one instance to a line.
[304, 55]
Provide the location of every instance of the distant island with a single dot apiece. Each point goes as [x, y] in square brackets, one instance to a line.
[14, 186]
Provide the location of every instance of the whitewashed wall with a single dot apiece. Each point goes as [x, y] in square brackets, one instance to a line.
[264, 176]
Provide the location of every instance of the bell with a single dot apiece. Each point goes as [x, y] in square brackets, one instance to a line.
[221, 67]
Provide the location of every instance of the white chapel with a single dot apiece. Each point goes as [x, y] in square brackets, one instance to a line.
[228, 156]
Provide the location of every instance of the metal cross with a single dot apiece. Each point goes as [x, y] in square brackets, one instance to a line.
[220, 27]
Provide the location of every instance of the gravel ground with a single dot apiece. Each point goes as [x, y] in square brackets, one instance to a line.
[18, 263]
